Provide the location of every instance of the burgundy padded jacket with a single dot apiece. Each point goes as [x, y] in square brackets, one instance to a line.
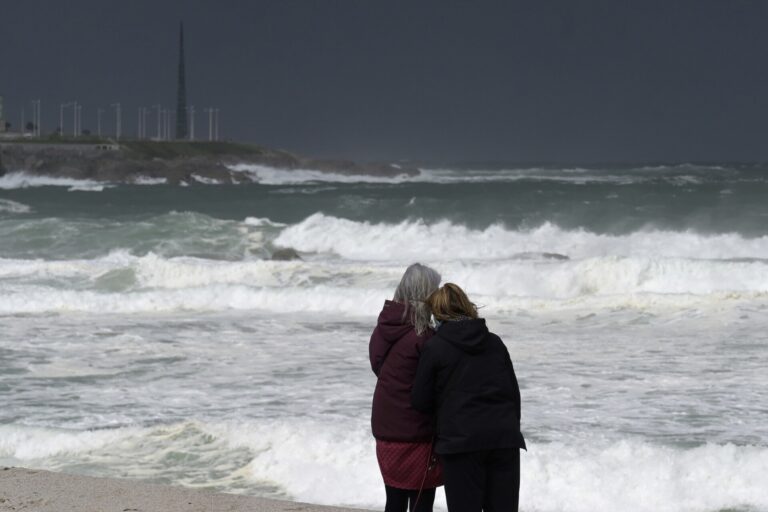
[394, 351]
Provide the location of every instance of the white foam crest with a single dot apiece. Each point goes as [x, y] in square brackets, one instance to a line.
[8, 206]
[318, 299]
[340, 300]
[441, 241]
[29, 443]
[262, 221]
[39, 268]
[612, 277]
[153, 283]
[574, 176]
[204, 180]
[578, 176]
[633, 476]
[16, 180]
[273, 176]
[149, 180]
[88, 188]
[307, 458]
[156, 272]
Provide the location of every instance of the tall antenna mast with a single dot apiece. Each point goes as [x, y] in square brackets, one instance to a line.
[181, 91]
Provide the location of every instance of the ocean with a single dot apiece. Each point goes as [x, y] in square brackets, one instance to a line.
[146, 332]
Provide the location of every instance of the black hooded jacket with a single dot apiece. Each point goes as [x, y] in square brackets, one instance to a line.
[465, 377]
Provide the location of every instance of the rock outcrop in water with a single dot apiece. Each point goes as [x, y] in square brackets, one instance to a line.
[175, 161]
[286, 254]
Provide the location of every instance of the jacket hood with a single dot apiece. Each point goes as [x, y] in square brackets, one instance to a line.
[392, 324]
[467, 335]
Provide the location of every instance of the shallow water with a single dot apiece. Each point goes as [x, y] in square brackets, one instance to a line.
[144, 332]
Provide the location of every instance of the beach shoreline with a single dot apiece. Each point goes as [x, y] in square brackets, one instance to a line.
[33, 490]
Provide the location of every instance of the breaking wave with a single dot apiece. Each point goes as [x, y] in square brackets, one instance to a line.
[8, 206]
[441, 241]
[305, 460]
[346, 266]
[122, 283]
[272, 176]
[681, 175]
[16, 180]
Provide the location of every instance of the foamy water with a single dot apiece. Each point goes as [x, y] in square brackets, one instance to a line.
[146, 332]
[16, 180]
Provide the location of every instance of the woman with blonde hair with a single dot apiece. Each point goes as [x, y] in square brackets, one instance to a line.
[403, 434]
[465, 376]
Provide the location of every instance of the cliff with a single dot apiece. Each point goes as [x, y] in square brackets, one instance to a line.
[176, 161]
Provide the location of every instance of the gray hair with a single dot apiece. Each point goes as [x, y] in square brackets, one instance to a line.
[418, 283]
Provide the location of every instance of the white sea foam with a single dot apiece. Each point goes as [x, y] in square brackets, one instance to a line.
[204, 180]
[321, 299]
[636, 476]
[445, 241]
[88, 188]
[155, 284]
[8, 206]
[307, 458]
[149, 180]
[262, 221]
[358, 262]
[30, 443]
[575, 176]
[15, 180]
[272, 176]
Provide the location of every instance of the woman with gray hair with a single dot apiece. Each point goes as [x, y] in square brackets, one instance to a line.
[403, 434]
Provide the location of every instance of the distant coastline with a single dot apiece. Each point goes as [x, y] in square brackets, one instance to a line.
[176, 162]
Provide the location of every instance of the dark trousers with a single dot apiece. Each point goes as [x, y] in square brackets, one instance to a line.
[400, 500]
[488, 480]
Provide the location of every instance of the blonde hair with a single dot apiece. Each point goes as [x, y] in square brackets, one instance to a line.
[449, 302]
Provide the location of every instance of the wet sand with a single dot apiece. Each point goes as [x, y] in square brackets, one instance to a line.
[44, 491]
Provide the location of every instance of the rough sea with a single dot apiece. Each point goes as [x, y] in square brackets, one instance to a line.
[146, 332]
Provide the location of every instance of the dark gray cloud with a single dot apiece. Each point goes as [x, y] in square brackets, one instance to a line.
[437, 80]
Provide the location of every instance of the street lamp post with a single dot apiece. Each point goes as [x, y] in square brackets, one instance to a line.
[142, 125]
[210, 123]
[191, 110]
[168, 116]
[118, 120]
[217, 123]
[78, 120]
[159, 115]
[36, 118]
[62, 106]
[99, 112]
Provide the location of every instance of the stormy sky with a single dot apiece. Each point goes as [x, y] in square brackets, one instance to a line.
[552, 81]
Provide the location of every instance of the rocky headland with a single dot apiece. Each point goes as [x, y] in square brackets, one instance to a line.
[174, 161]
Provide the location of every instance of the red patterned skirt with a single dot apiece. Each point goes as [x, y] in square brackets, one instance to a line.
[407, 465]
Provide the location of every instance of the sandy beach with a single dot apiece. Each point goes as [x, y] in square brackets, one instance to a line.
[44, 491]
